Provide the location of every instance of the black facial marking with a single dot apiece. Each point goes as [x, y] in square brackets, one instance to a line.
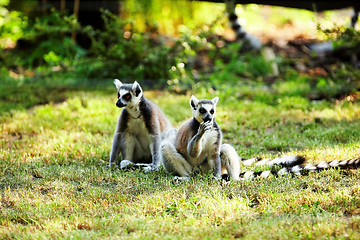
[126, 97]
[202, 110]
[193, 105]
[137, 90]
[207, 118]
[120, 104]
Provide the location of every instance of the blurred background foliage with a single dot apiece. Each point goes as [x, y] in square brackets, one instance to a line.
[179, 45]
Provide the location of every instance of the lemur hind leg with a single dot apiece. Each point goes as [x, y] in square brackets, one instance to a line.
[174, 162]
[230, 160]
[127, 152]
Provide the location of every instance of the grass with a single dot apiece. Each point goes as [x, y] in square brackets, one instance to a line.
[55, 183]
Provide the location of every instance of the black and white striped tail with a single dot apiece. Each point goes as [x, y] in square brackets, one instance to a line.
[355, 16]
[285, 161]
[249, 41]
[298, 170]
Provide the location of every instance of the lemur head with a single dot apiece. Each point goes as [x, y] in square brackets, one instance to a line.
[128, 94]
[204, 109]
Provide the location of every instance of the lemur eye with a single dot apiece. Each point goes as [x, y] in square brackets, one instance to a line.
[212, 111]
[118, 95]
[202, 110]
[127, 97]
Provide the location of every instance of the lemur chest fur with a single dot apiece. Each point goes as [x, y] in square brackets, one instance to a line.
[209, 139]
[136, 128]
[207, 145]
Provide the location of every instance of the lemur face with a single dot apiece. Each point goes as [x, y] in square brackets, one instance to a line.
[203, 110]
[128, 94]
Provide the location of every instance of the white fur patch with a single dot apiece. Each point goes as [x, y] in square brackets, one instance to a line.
[334, 163]
[248, 175]
[283, 172]
[125, 164]
[343, 163]
[310, 167]
[263, 162]
[181, 179]
[249, 162]
[265, 174]
[209, 138]
[138, 129]
[322, 164]
[296, 170]
[117, 83]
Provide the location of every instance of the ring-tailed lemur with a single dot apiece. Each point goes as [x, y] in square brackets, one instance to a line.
[249, 41]
[197, 145]
[140, 129]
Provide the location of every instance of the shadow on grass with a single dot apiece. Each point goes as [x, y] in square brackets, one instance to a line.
[20, 95]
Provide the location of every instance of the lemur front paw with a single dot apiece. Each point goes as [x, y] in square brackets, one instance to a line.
[150, 168]
[204, 126]
[181, 179]
[126, 164]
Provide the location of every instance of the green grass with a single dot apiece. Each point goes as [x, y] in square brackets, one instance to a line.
[55, 183]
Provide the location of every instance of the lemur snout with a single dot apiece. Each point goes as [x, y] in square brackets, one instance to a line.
[207, 118]
[120, 104]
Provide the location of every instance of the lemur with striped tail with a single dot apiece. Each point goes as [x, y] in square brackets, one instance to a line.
[140, 129]
[197, 145]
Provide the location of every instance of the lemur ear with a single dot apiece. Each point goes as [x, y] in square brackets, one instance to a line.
[136, 89]
[194, 102]
[215, 100]
[117, 83]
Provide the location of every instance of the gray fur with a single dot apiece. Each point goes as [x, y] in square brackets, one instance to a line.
[139, 131]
